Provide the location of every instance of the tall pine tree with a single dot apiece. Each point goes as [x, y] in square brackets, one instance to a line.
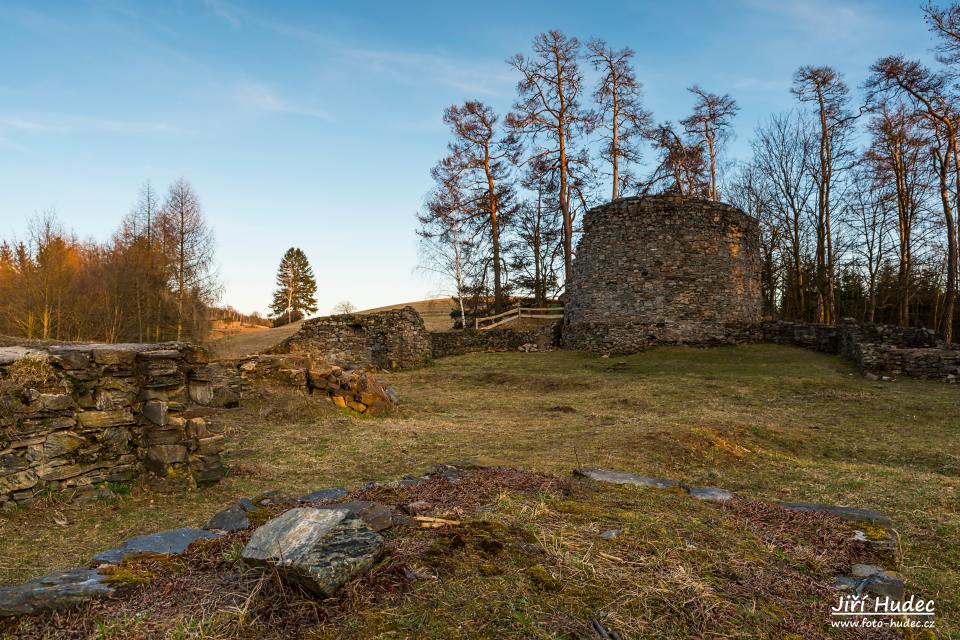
[295, 296]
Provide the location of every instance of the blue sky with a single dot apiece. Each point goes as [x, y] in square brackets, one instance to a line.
[315, 124]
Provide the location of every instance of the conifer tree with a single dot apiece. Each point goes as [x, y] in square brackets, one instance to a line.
[295, 296]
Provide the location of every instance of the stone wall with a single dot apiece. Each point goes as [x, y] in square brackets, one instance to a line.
[662, 269]
[78, 415]
[876, 349]
[458, 342]
[388, 340]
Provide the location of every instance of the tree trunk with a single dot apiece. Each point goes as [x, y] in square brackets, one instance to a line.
[950, 297]
[494, 230]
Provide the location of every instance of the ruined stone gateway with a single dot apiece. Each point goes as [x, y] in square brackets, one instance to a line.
[663, 269]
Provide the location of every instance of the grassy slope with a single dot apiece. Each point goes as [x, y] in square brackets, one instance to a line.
[766, 421]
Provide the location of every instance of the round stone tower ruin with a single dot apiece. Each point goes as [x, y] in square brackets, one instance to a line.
[663, 269]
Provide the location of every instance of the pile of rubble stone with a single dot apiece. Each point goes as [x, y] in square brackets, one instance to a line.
[356, 390]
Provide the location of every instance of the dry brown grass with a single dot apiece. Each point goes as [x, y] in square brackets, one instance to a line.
[525, 561]
[27, 373]
[765, 421]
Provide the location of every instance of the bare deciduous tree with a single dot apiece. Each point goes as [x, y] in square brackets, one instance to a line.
[482, 158]
[929, 92]
[681, 164]
[710, 121]
[622, 116]
[824, 87]
[190, 245]
[548, 112]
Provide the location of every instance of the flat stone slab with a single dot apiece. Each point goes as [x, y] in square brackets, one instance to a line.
[233, 518]
[623, 477]
[318, 549]
[321, 495]
[711, 494]
[56, 591]
[851, 514]
[173, 541]
[9, 355]
[882, 583]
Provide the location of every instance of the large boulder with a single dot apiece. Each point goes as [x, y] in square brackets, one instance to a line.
[318, 549]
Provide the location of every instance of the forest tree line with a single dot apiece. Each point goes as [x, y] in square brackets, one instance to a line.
[154, 279]
[855, 189]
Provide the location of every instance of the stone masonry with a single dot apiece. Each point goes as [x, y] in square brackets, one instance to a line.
[76, 415]
[662, 269]
[389, 340]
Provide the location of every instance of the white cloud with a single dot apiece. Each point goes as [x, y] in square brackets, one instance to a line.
[261, 97]
[418, 68]
[65, 123]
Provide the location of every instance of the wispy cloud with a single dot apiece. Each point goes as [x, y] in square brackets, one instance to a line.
[417, 68]
[823, 18]
[225, 11]
[413, 68]
[65, 123]
[261, 97]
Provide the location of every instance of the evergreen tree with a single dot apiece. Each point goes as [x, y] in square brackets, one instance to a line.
[296, 291]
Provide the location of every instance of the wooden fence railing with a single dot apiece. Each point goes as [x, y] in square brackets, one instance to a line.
[512, 315]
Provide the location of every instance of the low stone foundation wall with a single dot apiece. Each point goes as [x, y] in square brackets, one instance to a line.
[389, 340]
[459, 342]
[79, 415]
[933, 363]
[877, 349]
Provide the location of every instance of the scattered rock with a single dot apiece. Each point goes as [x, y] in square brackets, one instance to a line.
[318, 549]
[93, 494]
[851, 514]
[272, 498]
[610, 534]
[877, 581]
[712, 494]
[865, 570]
[622, 477]
[233, 518]
[173, 541]
[448, 472]
[417, 507]
[376, 516]
[55, 591]
[322, 495]
[877, 538]
[247, 504]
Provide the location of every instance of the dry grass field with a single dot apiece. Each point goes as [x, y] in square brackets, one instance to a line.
[765, 421]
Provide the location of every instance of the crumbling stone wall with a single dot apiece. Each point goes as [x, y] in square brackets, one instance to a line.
[388, 340]
[77, 415]
[458, 342]
[876, 349]
[662, 269]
